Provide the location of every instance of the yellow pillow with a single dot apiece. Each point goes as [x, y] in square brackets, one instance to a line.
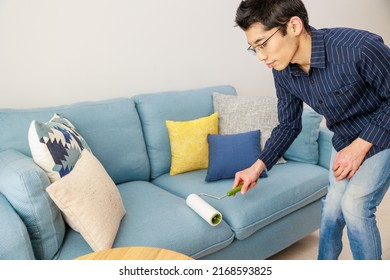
[189, 147]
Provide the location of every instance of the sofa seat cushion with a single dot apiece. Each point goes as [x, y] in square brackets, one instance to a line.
[288, 187]
[158, 219]
[155, 109]
[111, 128]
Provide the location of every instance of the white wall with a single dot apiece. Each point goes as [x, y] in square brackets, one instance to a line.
[56, 52]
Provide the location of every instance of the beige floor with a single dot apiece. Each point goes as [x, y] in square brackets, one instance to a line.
[307, 248]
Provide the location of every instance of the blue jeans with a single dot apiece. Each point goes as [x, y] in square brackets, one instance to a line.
[353, 203]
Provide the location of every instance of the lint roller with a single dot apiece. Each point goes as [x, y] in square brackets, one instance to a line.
[205, 210]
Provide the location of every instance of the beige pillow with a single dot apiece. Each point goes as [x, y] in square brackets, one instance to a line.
[90, 202]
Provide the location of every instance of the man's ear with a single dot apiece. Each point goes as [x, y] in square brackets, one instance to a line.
[295, 25]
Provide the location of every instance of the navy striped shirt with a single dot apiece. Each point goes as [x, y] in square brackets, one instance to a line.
[348, 83]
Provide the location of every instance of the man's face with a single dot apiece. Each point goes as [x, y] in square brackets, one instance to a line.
[277, 52]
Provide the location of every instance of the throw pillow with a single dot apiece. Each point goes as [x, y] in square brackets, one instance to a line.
[188, 140]
[238, 114]
[305, 146]
[229, 154]
[90, 202]
[55, 146]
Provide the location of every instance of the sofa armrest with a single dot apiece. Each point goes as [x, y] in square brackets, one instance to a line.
[23, 184]
[325, 147]
[15, 242]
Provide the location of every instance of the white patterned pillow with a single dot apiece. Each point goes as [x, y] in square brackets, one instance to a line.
[55, 146]
[239, 114]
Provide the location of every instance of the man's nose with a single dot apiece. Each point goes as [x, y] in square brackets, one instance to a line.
[261, 56]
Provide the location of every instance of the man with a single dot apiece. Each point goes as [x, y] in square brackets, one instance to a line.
[343, 74]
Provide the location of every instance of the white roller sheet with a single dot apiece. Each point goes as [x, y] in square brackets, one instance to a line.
[203, 209]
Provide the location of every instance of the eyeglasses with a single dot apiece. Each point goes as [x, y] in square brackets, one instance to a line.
[256, 49]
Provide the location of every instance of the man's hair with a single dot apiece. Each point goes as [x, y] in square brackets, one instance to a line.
[270, 13]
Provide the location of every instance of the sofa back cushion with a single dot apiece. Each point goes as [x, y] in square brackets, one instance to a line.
[305, 146]
[111, 128]
[155, 109]
[23, 184]
[15, 242]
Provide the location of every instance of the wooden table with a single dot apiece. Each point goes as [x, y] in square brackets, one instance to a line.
[135, 253]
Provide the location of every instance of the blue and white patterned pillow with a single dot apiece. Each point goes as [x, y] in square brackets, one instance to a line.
[55, 146]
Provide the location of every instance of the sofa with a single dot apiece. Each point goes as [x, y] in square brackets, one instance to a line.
[129, 137]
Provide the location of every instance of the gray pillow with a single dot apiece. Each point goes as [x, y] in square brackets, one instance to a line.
[239, 114]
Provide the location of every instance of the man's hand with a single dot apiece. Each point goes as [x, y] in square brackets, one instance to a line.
[349, 159]
[248, 177]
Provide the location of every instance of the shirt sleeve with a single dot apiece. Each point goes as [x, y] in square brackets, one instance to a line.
[375, 68]
[290, 125]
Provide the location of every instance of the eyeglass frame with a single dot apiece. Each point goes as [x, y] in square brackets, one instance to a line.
[256, 49]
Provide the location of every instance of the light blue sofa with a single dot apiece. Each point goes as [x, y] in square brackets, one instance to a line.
[129, 137]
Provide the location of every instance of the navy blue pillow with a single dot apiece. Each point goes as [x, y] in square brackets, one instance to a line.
[229, 154]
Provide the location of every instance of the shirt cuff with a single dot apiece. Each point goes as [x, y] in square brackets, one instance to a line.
[376, 135]
[269, 158]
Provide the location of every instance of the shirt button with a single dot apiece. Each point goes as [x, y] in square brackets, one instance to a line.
[312, 81]
[320, 102]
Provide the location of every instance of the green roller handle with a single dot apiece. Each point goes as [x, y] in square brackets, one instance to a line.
[235, 190]
[229, 193]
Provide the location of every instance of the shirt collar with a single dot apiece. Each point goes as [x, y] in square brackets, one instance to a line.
[318, 59]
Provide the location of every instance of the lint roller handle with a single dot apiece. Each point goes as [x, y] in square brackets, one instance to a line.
[235, 190]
